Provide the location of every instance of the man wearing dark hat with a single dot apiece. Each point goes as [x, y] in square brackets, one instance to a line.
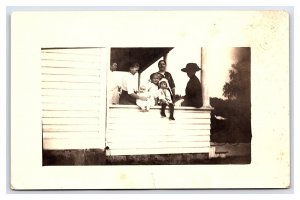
[193, 90]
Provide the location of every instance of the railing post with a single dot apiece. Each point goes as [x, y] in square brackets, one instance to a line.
[205, 95]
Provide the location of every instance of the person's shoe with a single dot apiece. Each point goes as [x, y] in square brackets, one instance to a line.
[163, 114]
[171, 118]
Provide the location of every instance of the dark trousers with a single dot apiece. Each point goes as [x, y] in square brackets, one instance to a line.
[163, 109]
[126, 99]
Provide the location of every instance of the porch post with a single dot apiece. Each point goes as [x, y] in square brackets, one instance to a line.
[205, 95]
[165, 57]
[139, 80]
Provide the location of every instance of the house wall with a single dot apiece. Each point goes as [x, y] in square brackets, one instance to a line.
[132, 132]
[73, 83]
[74, 112]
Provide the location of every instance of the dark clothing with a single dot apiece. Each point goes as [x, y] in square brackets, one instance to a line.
[126, 99]
[168, 76]
[163, 109]
[193, 93]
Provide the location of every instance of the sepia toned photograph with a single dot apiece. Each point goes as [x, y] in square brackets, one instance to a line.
[163, 106]
[150, 100]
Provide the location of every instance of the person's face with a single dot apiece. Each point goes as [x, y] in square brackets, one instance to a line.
[134, 69]
[155, 79]
[163, 85]
[190, 73]
[162, 66]
[142, 89]
[113, 67]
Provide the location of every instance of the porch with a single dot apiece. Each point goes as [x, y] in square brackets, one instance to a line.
[130, 131]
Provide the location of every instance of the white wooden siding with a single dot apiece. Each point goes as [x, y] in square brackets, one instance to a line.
[132, 132]
[73, 97]
[73, 91]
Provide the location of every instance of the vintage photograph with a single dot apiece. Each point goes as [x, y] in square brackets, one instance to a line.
[156, 99]
[159, 105]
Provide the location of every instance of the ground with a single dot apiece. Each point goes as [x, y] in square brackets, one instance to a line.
[225, 153]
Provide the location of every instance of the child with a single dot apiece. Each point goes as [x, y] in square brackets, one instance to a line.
[153, 88]
[144, 105]
[165, 98]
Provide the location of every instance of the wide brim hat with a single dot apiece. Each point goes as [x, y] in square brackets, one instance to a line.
[191, 67]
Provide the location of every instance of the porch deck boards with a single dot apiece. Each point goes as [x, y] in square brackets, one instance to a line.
[133, 132]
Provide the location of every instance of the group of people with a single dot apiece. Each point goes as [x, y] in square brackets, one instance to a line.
[159, 91]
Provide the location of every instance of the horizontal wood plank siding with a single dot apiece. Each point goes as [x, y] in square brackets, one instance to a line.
[73, 89]
[72, 143]
[157, 144]
[72, 51]
[150, 133]
[67, 78]
[94, 86]
[132, 132]
[144, 151]
[70, 114]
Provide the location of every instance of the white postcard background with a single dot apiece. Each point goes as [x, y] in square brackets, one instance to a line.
[266, 32]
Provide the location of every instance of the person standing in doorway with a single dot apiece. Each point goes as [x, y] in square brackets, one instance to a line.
[114, 87]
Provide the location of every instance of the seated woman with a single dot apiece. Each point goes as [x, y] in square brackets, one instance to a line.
[129, 87]
[193, 90]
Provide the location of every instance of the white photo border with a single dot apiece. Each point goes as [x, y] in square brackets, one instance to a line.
[61, 177]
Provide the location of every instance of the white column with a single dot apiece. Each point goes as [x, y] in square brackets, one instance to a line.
[205, 95]
[165, 57]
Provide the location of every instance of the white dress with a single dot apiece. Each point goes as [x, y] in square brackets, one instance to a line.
[144, 105]
[113, 88]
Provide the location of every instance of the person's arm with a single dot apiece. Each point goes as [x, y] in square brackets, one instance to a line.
[173, 91]
[197, 94]
[160, 94]
[131, 89]
[169, 97]
[172, 84]
[138, 97]
[119, 84]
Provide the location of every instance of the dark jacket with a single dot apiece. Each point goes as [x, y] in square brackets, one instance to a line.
[193, 93]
